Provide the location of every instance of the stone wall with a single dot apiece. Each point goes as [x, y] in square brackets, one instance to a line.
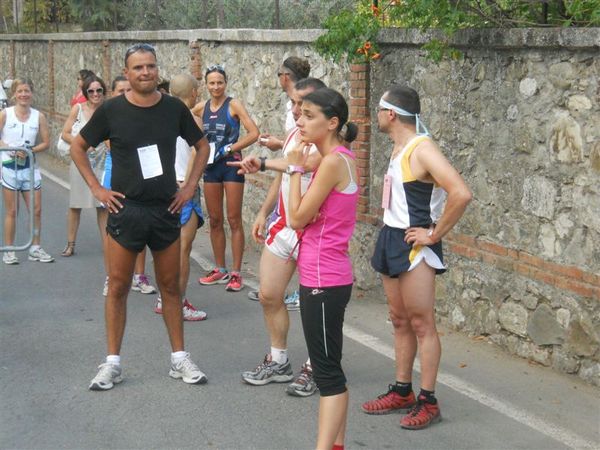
[518, 115]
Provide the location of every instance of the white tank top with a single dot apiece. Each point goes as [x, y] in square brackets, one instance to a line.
[15, 133]
[412, 202]
[182, 158]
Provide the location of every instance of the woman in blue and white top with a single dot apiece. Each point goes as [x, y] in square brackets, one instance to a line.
[22, 126]
[221, 119]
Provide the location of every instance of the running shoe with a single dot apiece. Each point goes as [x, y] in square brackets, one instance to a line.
[421, 415]
[188, 371]
[215, 276]
[39, 254]
[192, 314]
[140, 283]
[389, 402]
[105, 289]
[292, 301]
[253, 295]
[235, 282]
[158, 305]
[269, 372]
[10, 258]
[304, 385]
[108, 375]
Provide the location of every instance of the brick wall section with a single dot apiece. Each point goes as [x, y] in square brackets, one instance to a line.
[106, 65]
[359, 114]
[570, 278]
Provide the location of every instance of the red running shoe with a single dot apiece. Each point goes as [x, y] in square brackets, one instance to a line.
[421, 415]
[390, 402]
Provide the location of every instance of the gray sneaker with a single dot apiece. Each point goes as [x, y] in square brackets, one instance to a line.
[304, 385]
[39, 254]
[269, 372]
[188, 371]
[108, 375]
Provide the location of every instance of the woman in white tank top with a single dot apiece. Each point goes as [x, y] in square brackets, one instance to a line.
[22, 126]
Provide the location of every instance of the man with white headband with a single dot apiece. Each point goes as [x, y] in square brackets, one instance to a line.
[408, 253]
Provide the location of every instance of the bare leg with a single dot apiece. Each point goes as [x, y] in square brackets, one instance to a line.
[166, 268]
[11, 201]
[333, 411]
[274, 275]
[405, 341]
[73, 219]
[188, 233]
[121, 261]
[213, 196]
[234, 195]
[418, 295]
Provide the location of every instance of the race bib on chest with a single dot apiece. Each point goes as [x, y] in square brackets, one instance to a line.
[150, 161]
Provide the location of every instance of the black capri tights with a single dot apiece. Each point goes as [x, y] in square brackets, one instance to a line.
[322, 312]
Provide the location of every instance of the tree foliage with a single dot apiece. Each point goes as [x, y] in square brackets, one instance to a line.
[350, 30]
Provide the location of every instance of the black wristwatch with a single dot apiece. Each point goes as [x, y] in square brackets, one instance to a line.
[263, 165]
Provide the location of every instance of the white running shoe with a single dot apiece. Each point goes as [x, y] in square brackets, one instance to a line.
[39, 254]
[192, 314]
[108, 375]
[10, 258]
[188, 371]
[140, 283]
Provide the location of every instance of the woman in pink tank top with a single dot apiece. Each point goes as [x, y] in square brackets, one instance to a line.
[327, 213]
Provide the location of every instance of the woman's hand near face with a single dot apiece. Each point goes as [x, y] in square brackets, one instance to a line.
[298, 155]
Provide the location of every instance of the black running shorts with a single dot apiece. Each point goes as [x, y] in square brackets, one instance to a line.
[137, 225]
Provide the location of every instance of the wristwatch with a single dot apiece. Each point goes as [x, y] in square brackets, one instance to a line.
[294, 169]
[228, 150]
[430, 232]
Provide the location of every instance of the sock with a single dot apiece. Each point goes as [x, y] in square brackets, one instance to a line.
[279, 355]
[428, 396]
[114, 359]
[223, 269]
[403, 388]
[177, 357]
[136, 277]
[307, 363]
[33, 248]
[337, 447]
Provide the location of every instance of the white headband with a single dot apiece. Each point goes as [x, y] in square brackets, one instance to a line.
[405, 113]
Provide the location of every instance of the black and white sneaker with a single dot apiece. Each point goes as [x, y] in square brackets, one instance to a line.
[269, 372]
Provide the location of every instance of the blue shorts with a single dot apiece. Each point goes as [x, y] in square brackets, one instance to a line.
[19, 179]
[106, 176]
[220, 172]
[191, 207]
[393, 256]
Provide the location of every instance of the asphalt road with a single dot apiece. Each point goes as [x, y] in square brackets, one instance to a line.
[52, 339]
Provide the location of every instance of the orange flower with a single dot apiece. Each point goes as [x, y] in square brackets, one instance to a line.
[360, 50]
[376, 56]
[367, 46]
[375, 10]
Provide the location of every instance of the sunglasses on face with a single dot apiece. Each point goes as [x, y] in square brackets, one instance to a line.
[95, 91]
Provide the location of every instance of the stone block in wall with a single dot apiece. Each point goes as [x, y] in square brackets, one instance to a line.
[562, 75]
[566, 141]
[595, 156]
[564, 362]
[580, 341]
[513, 317]
[543, 328]
[539, 195]
[590, 372]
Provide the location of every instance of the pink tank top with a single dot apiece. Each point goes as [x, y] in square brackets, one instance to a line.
[323, 259]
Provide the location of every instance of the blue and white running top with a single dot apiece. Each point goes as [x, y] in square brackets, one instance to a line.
[219, 126]
[412, 202]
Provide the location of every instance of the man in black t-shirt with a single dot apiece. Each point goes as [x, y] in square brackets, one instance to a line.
[144, 203]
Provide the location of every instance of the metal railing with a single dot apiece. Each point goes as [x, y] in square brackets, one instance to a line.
[17, 160]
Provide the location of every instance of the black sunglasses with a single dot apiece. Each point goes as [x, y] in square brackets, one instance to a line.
[97, 91]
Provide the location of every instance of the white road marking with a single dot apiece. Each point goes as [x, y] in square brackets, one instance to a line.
[462, 387]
